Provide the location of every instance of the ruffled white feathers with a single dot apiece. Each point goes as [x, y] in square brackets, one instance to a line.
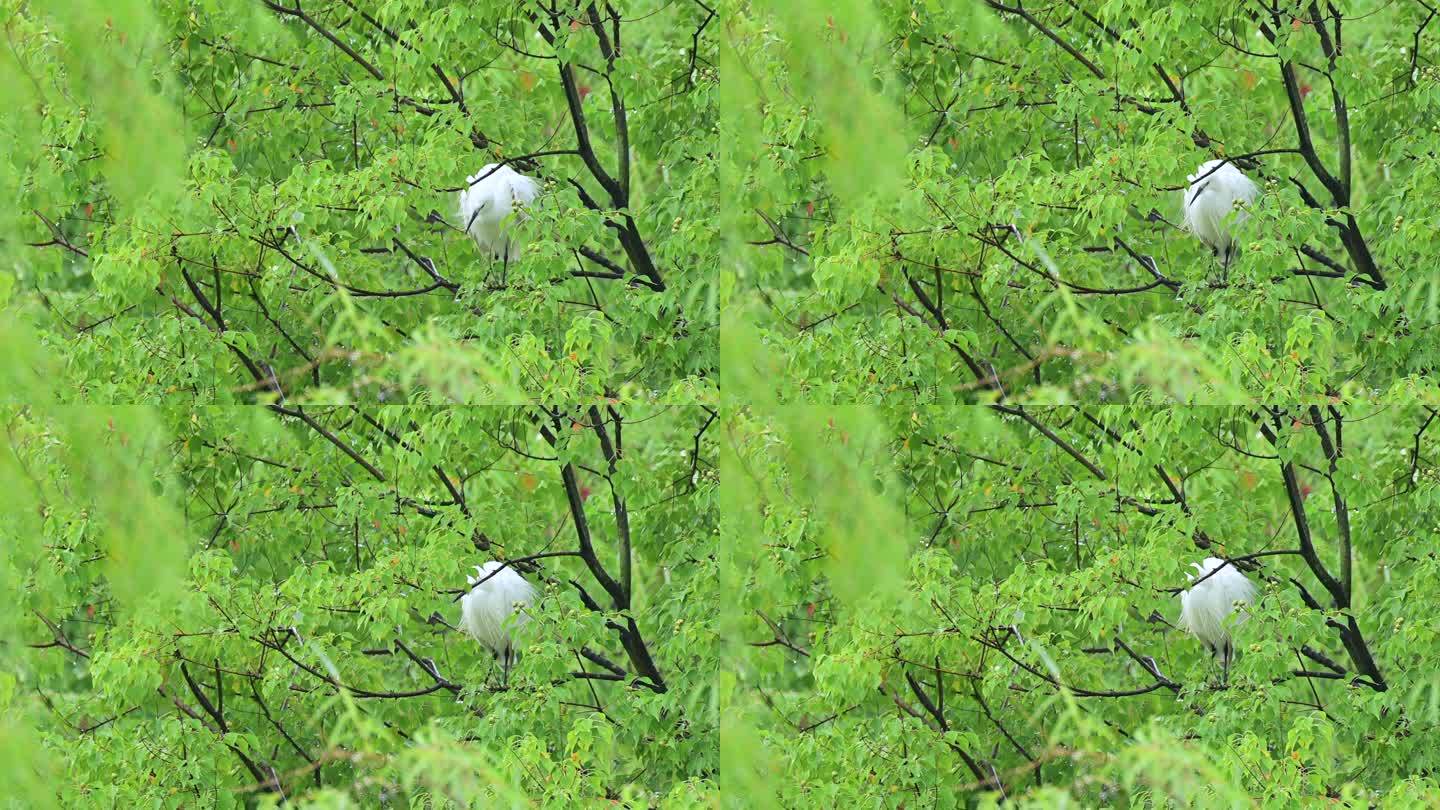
[485, 208]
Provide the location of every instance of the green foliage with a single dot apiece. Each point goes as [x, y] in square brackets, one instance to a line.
[979, 200]
[240, 200]
[954, 244]
[914, 275]
[265, 602]
[1031, 645]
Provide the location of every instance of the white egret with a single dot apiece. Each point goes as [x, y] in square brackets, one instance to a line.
[1205, 608]
[492, 195]
[1215, 189]
[494, 607]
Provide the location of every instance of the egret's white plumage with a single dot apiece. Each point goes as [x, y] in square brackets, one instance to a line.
[492, 194]
[495, 607]
[1214, 191]
[1206, 606]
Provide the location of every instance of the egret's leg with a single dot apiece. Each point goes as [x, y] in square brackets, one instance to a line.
[1227, 652]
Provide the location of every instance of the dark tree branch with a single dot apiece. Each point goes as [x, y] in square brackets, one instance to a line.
[939, 717]
[1019, 410]
[299, 413]
[298, 13]
[629, 632]
[1019, 10]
